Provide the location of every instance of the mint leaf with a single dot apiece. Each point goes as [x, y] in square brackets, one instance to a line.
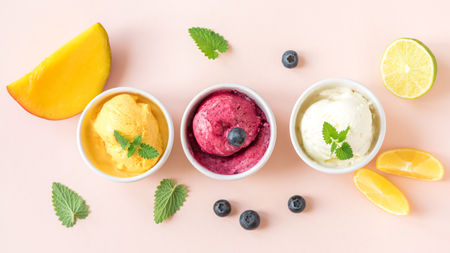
[345, 152]
[342, 135]
[147, 151]
[137, 141]
[208, 42]
[333, 147]
[331, 136]
[131, 150]
[168, 200]
[121, 140]
[328, 132]
[68, 205]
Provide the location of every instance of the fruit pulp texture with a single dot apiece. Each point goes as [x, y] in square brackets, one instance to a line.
[94, 146]
[64, 83]
[242, 160]
[381, 192]
[411, 163]
[408, 68]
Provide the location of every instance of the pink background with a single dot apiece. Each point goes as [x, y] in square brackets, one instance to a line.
[152, 50]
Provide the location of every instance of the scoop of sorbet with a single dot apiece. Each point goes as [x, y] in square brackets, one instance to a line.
[219, 114]
[131, 119]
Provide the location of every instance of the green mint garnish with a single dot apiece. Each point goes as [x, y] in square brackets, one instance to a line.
[208, 42]
[343, 134]
[344, 152]
[329, 132]
[333, 147]
[331, 136]
[145, 151]
[138, 140]
[121, 140]
[131, 150]
[168, 199]
[69, 206]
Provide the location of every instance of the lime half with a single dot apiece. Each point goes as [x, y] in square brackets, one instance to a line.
[408, 68]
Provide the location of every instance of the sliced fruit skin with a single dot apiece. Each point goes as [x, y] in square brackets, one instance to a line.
[381, 192]
[412, 163]
[409, 75]
[64, 83]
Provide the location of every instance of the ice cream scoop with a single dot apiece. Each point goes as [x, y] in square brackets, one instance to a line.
[93, 148]
[130, 119]
[342, 108]
[316, 93]
[218, 115]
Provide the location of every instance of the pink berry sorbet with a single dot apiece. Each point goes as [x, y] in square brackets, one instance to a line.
[216, 116]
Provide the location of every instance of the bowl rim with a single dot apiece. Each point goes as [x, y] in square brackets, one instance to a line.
[161, 161]
[372, 98]
[259, 101]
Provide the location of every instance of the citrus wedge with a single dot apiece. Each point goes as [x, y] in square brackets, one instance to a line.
[412, 163]
[408, 68]
[381, 192]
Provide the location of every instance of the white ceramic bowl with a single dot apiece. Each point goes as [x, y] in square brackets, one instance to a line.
[100, 99]
[306, 100]
[189, 114]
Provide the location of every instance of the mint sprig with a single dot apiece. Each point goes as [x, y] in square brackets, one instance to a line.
[208, 42]
[145, 151]
[122, 140]
[336, 139]
[168, 199]
[131, 150]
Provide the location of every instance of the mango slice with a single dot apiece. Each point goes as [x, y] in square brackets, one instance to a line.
[64, 83]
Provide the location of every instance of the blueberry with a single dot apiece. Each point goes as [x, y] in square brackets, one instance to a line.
[296, 204]
[222, 208]
[236, 136]
[249, 220]
[290, 59]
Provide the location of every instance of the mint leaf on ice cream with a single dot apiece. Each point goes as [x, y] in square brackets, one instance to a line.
[131, 150]
[121, 140]
[145, 151]
[344, 152]
[333, 137]
[333, 147]
[342, 135]
[329, 133]
[137, 141]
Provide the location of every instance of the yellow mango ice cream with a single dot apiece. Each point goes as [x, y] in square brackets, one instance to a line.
[131, 119]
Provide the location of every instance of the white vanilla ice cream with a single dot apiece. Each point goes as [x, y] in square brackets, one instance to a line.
[341, 107]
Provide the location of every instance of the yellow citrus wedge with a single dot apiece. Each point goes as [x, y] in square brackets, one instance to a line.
[408, 68]
[381, 192]
[413, 163]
